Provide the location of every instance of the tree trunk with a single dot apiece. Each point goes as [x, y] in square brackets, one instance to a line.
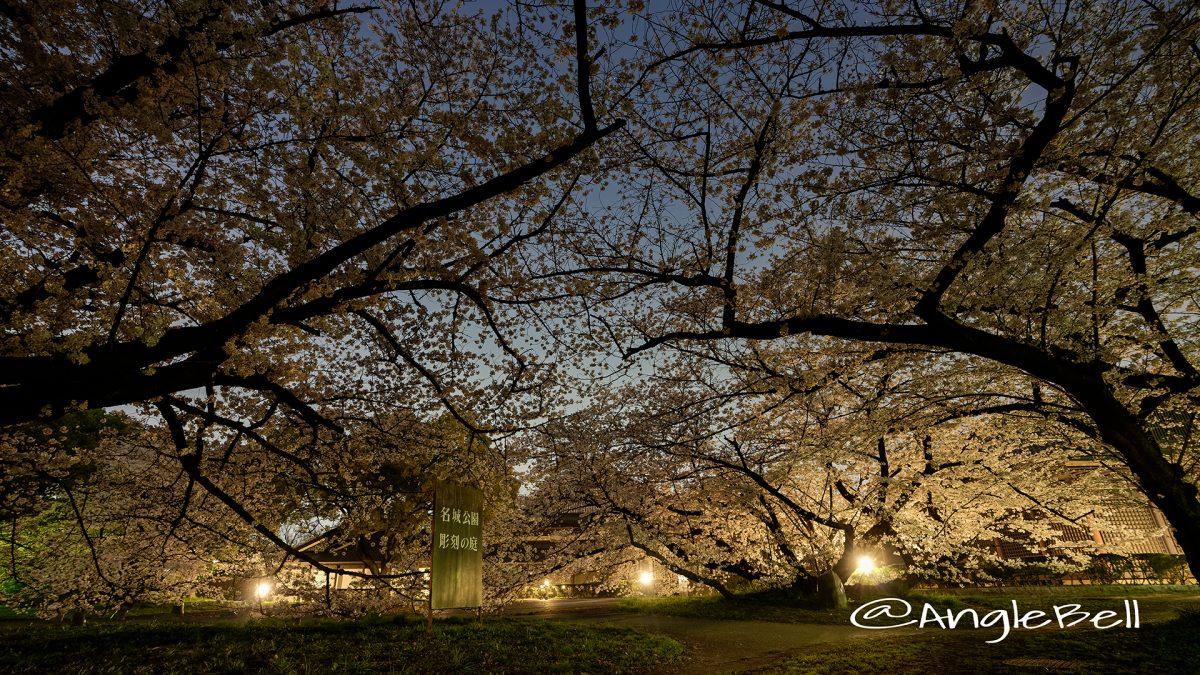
[1160, 479]
[846, 564]
[1164, 483]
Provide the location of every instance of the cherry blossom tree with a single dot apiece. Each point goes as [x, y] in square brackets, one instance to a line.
[265, 227]
[995, 183]
[242, 197]
[98, 513]
[755, 476]
[93, 522]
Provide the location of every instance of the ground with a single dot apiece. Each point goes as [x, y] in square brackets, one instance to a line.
[713, 645]
[799, 640]
[647, 635]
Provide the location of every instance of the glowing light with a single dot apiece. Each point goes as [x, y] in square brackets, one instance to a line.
[262, 590]
[646, 578]
[865, 565]
[546, 582]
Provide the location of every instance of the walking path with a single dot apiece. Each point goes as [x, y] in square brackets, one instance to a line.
[713, 646]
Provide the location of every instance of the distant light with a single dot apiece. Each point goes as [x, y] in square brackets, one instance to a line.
[646, 578]
[546, 582]
[865, 565]
[262, 590]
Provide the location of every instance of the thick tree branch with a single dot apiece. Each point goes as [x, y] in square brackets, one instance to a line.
[583, 66]
[1021, 166]
[677, 569]
[116, 375]
[121, 81]
[190, 462]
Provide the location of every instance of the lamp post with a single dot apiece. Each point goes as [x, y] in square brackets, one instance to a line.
[866, 565]
[261, 591]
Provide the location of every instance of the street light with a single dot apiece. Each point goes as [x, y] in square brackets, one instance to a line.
[646, 578]
[262, 590]
[865, 565]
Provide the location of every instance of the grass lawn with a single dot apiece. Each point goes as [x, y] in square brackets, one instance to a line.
[751, 607]
[1168, 640]
[1157, 603]
[391, 645]
[1170, 647]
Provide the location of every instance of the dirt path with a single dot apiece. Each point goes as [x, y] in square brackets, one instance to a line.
[713, 646]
